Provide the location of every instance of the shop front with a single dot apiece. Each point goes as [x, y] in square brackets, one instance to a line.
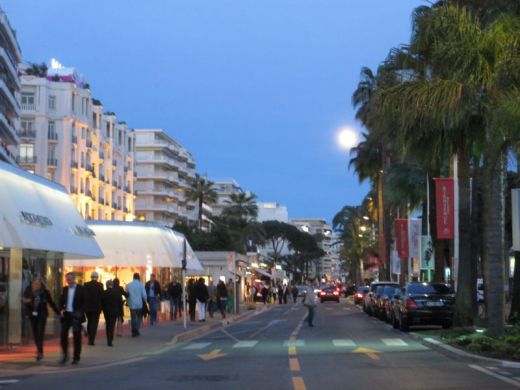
[136, 247]
[39, 228]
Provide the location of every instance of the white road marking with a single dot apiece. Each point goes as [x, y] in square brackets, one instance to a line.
[7, 381]
[344, 343]
[492, 368]
[394, 342]
[506, 373]
[197, 346]
[432, 340]
[245, 344]
[294, 343]
[491, 373]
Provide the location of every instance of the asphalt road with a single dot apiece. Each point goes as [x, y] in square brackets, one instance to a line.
[276, 350]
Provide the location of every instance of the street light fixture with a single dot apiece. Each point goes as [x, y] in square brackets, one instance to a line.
[347, 138]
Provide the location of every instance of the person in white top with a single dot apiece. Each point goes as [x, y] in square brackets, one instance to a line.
[310, 301]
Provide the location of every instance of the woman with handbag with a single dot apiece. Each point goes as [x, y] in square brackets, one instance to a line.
[36, 299]
[120, 319]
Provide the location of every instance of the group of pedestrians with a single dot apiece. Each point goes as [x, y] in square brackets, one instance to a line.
[203, 298]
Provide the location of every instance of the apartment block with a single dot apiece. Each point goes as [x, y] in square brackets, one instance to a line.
[165, 170]
[316, 226]
[66, 136]
[224, 189]
[10, 57]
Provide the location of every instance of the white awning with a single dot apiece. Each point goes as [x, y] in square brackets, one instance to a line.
[140, 244]
[36, 213]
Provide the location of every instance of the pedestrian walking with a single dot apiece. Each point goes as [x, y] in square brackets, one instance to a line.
[265, 294]
[310, 301]
[111, 305]
[93, 291]
[212, 300]
[153, 293]
[121, 317]
[72, 307]
[201, 295]
[285, 292]
[280, 293]
[175, 296]
[192, 300]
[294, 292]
[136, 300]
[36, 299]
[222, 296]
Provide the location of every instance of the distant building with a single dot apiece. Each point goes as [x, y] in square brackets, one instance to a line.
[10, 57]
[66, 137]
[272, 211]
[316, 226]
[165, 170]
[225, 188]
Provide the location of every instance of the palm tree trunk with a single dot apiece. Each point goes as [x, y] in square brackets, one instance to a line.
[514, 314]
[438, 245]
[384, 260]
[493, 256]
[476, 223]
[465, 298]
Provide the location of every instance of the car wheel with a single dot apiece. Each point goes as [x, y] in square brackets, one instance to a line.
[403, 325]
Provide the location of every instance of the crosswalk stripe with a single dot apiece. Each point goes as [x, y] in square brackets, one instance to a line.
[394, 342]
[344, 343]
[197, 346]
[294, 343]
[8, 381]
[245, 344]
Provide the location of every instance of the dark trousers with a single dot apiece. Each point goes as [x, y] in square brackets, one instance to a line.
[68, 322]
[294, 297]
[175, 308]
[92, 325]
[38, 328]
[191, 309]
[110, 324]
[136, 317]
[310, 316]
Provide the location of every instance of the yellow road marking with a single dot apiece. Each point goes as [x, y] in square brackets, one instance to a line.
[371, 353]
[298, 383]
[294, 364]
[292, 350]
[212, 355]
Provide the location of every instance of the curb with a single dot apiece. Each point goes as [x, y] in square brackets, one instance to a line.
[458, 354]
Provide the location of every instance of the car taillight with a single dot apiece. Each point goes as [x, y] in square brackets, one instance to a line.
[359, 295]
[410, 304]
[322, 293]
[335, 293]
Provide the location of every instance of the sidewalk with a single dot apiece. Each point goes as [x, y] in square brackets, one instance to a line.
[153, 340]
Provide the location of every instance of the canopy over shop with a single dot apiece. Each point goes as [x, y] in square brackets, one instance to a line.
[39, 227]
[142, 247]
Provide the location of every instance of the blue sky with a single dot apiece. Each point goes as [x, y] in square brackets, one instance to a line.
[255, 89]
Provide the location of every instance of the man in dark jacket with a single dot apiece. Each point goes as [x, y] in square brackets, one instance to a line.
[175, 296]
[112, 301]
[153, 294]
[72, 307]
[201, 295]
[93, 298]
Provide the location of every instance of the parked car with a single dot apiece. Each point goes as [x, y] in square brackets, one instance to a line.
[329, 294]
[393, 299]
[359, 296]
[384, 300]
[424, 304]
[370, 298]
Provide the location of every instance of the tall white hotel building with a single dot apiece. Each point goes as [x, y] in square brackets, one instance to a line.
[66, 136]
[10, 57]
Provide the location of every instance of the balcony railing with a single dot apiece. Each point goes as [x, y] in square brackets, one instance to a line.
[27, 133]
[52, 136]
[28, 107]
[74, 164]
[52, 162]
[26, 160]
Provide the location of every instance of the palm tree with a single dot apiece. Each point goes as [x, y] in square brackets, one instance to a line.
[241, 206]
[201, 191]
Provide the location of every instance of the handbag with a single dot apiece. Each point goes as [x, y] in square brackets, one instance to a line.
[145, 311]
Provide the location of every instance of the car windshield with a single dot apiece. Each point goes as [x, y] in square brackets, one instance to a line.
[379, 290]
[389, 290]
[430, 289]
[328, 289]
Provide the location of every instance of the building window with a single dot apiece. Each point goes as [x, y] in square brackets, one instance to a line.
[52, 102]
[108, 129]
[27, 126]
[73, 102]
[27, 99]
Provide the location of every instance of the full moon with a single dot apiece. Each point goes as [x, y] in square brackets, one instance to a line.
[347, 138]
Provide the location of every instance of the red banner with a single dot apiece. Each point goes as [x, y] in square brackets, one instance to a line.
[401, 235]
[445, 206]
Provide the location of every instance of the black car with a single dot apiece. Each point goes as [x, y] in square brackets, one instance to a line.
[424, 304]
[383, 302]
[359, 296]
[390, 304]
[329, 294]
[369, 305]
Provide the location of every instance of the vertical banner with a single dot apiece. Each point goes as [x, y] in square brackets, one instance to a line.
[444, 207]
[414, 237]
[401, 235]
[427, 256]
[396, 263]
[515, 217]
